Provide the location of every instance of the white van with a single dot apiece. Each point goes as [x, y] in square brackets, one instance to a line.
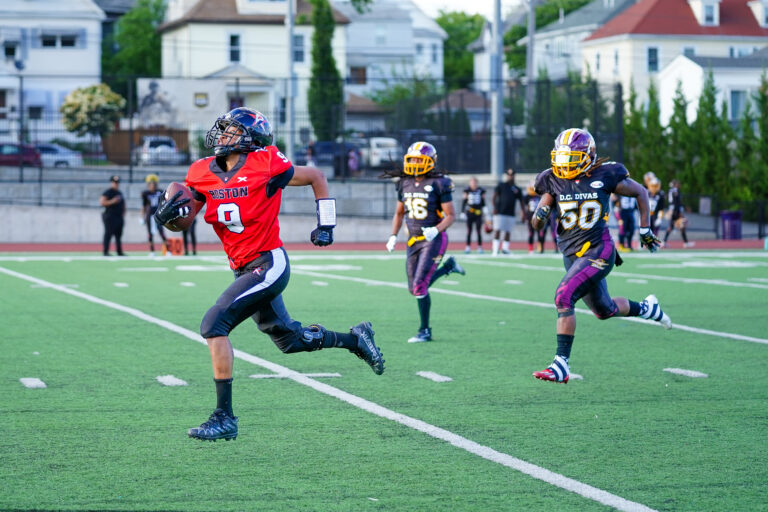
[381, 152]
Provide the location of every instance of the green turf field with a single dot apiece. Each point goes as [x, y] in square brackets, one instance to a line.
[105, 434]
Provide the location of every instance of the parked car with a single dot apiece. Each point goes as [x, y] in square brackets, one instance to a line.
[381, 152]
[326, 153]
[158, 150]
[54, 155]
[13, 154]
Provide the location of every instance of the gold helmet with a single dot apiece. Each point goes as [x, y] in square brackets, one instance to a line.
[574, 153]
[420, 158]
[151, 178]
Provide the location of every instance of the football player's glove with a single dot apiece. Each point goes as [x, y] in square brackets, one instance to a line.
[430, 233]
[322, 236]
[542, 213]
[649, 240]
[391, 243]
[172, 209]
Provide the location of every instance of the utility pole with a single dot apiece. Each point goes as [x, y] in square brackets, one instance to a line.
[291, 92]
[20, 67]
[497, 96]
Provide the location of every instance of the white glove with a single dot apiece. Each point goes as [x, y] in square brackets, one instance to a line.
[462, 216]
[657, 222]
[430, 233]
[142, 221]
[391, 243]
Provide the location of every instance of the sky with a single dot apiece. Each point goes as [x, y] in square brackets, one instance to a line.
[485, 7]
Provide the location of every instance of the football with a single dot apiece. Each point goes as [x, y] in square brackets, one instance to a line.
[182, 223]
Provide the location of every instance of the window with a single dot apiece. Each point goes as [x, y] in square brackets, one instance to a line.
[357, 75]
[738, 104]
[62, 40]
[653, 60]
[615, 61]
[9, 50]
[381, 36]
[434, 53]
[419, 48]
[298, 48]
[597, 62]
[709, 14]
[234, 48]
[689, 51]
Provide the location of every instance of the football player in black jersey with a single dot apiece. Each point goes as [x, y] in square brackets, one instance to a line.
[580, 186]
[656, 203]
[473, 207]
[425, 201]
[150, 200]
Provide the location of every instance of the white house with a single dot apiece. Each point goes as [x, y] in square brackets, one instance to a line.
[557, 47]
[736, 81]
[391, 41]
[50, 48]
[481, 50]
[243, 44]
[637, 44]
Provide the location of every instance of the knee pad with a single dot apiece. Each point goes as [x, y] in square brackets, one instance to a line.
[605, 314]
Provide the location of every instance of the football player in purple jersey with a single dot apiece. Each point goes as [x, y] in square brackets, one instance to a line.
[425, 202]
[580, 186]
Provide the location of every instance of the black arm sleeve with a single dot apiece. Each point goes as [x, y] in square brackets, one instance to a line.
[197, 195]
[279, 181]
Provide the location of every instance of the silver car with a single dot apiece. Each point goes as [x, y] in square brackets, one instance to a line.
[54, 155]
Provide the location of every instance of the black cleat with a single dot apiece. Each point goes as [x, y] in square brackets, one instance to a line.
[453, 266]
[219, 426]
[422, 336]
[366, 348]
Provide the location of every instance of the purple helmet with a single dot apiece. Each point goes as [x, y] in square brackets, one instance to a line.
[574, 153]
[420, 158]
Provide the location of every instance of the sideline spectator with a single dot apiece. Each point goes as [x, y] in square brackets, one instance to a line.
[676, 214]
[150, 199]
[189, 235]
[473, 207]
[531, 201]
[113, 215]
[506, 195]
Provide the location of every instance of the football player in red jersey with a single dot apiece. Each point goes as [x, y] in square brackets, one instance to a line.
[581, 186]
[242, 187]
[425, 201]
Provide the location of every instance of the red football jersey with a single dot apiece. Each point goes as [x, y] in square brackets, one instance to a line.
[237, 202]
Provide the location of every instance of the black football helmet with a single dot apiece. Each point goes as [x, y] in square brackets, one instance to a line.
[239, 131]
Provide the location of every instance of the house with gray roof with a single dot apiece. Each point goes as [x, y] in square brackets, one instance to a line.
[737, 79]
[557, 46]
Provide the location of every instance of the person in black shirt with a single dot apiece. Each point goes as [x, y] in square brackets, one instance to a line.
[530, 202]
[113, 216]
[150, 199]
[656, 202]
[506, 195]
[189, 235]
[677, 218]
[472, 206]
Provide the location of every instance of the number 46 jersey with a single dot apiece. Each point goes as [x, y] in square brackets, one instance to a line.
[423, 201]
[583, 205]
[242, 204]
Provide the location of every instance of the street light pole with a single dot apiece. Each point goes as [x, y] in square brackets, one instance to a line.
[20, 67]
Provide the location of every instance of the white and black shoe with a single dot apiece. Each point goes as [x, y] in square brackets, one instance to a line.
[651, 310]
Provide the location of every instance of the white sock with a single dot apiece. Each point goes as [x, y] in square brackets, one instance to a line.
[495, 246]
[505, 245]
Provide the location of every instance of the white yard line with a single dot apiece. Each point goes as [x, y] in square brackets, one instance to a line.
[547, 305]
[537, 472]
[32, 383]
[170, 380]
[284, 376]
[687, 373]
[434, 376]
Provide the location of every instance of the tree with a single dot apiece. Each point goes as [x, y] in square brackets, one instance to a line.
[407, 99]
[134, 48]
[680, 143]
[653, 151]
[458, 61]
[92, 110]
[325, 95]
[546, 12]
[633, 131]
[712, 160]
[749, 167]
[761, 103]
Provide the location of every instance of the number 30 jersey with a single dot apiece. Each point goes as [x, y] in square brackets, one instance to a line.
[583, 205]
[242, 204]
[423, 201]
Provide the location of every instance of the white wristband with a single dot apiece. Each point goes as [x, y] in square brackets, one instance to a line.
[326, 213]
[644, 231]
